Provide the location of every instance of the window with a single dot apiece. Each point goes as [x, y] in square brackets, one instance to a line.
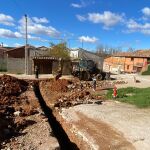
[132, 59]
[127, 67]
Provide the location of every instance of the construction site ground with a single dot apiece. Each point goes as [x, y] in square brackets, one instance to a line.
[84, 118]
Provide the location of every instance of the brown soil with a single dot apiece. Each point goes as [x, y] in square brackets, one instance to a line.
[15, 104]
[18, 107]
[64, 93]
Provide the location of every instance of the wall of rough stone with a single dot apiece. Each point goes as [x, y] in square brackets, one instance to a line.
[3, 64]
[16, 65]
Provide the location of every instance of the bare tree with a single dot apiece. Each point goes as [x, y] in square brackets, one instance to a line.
[105, 50]
[130, 49]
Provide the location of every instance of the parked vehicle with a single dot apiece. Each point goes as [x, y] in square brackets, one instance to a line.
[86, 69]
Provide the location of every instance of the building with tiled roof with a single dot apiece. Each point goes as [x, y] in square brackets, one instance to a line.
[129, 62]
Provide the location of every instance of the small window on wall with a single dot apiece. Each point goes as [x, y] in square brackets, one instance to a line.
[128, 67]
[132, 59]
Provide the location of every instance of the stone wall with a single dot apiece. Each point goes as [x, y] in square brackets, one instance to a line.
[16, 65]
[3, 64]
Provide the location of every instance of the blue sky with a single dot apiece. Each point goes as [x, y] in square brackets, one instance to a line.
[115, 23]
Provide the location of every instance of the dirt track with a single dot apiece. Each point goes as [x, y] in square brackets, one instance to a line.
[121, 126]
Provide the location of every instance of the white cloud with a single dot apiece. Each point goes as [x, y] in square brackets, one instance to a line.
[76, 5]
[6, 20]
[83, 3]
[81, 18]
[134, 26]
[108, 18]
[88, 39]
[36, 38]
[5, 45]
[40, 20]
[18, 44]
[35, 28]
[5, 33]
[146, 11]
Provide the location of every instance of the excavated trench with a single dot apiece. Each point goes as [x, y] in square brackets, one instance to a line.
[58, 131]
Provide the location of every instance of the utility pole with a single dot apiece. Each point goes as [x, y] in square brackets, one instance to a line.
[82, 43]
[26, 45]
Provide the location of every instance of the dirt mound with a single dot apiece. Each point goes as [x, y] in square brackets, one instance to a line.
[66, 93]
[13, 106]
[59, 85]
[11, 86]
[76, 98]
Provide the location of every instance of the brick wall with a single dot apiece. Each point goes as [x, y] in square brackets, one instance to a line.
[125, 64]
[134, 64]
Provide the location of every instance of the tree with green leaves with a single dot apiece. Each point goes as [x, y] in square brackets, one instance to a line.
[59, 51]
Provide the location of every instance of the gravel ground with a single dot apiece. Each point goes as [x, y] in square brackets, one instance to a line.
[35, 137]
[38, 134]
[144, 80]
[132, 123]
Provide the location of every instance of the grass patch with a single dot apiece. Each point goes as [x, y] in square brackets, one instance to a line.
[146, 72]
[137, 96]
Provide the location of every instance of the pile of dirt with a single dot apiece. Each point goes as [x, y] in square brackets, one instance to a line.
[13, 106]
[11, 86]
[66, 93]
[76, 98]
[59, 85]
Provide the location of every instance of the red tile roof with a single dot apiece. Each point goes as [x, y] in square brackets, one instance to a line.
[138, 53]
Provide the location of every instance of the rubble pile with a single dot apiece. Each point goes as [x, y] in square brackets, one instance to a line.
[13, 106]
[105, 84]
[120, 82]
[76, 98]
[72, 92]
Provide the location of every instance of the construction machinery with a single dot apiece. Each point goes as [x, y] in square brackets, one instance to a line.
[85, 69]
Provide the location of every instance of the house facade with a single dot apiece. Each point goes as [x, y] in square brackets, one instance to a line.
[129, 62]
[36, 57]
[3, 58]
[46, 64]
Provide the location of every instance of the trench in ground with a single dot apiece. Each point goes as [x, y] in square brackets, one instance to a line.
[58, 131]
